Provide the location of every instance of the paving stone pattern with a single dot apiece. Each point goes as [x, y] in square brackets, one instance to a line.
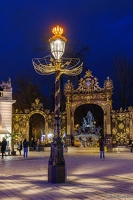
[88, 177]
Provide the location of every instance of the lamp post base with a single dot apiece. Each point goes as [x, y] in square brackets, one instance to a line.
[56, 165]
[56, 174]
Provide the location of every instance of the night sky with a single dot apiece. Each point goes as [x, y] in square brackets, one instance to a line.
[105, 25]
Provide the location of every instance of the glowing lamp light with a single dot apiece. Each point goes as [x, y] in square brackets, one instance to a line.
[57, 48]
[57, 30]
[57, 43]
[68, 66]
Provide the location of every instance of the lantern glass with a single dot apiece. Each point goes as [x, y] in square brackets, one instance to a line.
[57, 48]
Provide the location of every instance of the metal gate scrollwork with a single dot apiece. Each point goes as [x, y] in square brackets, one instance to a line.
[21, 119]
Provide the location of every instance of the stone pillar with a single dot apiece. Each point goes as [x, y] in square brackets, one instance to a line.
[105, 124]
[108, 136]
[68, 91]
[27, 128]
[46, 130]
[108, 121]
[68, 110]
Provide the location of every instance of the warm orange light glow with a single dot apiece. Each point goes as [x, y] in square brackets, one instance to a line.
[57, 30]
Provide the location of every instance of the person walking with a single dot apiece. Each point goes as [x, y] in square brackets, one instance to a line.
[20, 147]
[102, 144]
[25, 146]
[131, 145]
[31, 144]
[3, 147]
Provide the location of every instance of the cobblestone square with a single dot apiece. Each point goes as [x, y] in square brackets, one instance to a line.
[88, 177]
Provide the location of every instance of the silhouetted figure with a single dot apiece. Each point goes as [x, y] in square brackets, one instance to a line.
[38, 145]
[32, 144]
[3, 147]
[131, 145]
[72, 140]
[25, 146]
[102, 144]
[20, 147]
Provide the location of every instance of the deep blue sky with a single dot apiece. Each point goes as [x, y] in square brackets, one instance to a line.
[105, 25]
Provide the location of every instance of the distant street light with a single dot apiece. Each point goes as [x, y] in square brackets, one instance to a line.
[58, 65]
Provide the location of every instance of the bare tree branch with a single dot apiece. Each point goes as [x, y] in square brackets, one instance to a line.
[123, 82]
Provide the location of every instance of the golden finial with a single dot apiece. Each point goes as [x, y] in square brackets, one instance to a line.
[57, 30]
[37, 101]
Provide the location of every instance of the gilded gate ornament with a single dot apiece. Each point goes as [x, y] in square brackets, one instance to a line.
[88, 84]
[118, 124]
[37, 105]
[122, 124]
[89, 92]
[21, 120]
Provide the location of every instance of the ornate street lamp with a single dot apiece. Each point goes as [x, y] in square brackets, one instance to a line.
[58, 65]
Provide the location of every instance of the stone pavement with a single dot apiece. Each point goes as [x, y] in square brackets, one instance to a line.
[88, 177]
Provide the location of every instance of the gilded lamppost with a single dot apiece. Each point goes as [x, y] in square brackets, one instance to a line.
[58, 65]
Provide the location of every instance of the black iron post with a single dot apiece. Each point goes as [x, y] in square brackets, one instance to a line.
[57, 165]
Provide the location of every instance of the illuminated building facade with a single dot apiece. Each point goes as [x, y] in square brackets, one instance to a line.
[6, 102]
